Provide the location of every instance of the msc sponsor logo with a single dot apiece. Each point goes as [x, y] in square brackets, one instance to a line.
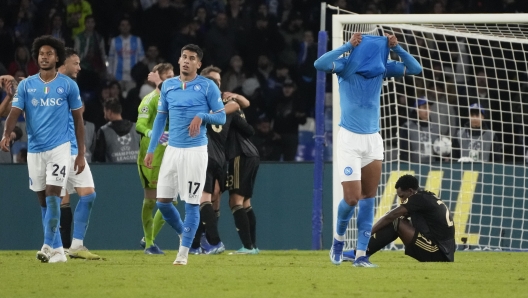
[47, 102]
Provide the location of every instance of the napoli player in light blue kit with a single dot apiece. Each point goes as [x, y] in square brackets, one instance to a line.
[189, 101]
[81, 184]
[47, 99]
[360, 146]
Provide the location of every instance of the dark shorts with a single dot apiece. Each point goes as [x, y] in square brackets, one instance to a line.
[424, 250]
[215, 172]
[242, 172]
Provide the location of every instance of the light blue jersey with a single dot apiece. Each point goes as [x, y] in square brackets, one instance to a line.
[47, 107]
[184, 101]
[360, 78]
[73, 136]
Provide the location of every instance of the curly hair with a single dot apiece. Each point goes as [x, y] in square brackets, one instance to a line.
[407, 182]
[56, 44]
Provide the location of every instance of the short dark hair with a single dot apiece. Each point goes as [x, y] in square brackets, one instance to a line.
[162, 67]
[214, 80]
[55, 43]
[90, 16]
[209, 69]
[113, 105]
[193, 48]
[407, 182]
[68, 52]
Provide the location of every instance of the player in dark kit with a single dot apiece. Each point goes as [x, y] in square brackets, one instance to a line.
[243, 166]
[207, 239]
[422, 222]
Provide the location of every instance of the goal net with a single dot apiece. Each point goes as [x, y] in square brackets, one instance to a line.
[470, 147]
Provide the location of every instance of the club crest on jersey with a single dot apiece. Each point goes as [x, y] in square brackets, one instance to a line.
[348, 171]
[34, 102]
[197, 87]
[46, 90]
[60, 90]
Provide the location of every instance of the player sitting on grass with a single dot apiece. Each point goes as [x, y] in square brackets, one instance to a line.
[422, 222]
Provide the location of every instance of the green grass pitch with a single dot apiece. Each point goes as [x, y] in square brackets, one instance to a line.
[270, 274]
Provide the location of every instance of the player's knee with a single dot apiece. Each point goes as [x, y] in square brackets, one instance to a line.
[351, 200]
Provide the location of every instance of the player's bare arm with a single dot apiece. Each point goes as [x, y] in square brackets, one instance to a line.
[79, 134]
[239, 99]
[388, 218]
[231, 107]
[9, 126]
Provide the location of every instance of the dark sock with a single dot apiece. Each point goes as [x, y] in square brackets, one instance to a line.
[381, 239]
[252, 225]
[66, 218]
[217, 214]
[208, 218]
[242, 225]
[196, 241]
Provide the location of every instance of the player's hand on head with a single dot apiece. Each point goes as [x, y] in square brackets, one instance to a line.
[5, 143]
[154, 77]
[79, 164]
[393, 40]
[356, 39]
[194, 127]
[148, 160]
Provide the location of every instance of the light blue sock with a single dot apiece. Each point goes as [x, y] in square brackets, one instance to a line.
[344, 214]
[171, 216]
[57, 242]
[365, 220]
[192, 219]
[81, 217]
[51, 220]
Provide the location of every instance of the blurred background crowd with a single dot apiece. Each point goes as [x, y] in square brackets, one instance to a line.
[265, 49]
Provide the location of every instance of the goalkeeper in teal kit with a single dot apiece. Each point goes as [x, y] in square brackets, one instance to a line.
[359, 144]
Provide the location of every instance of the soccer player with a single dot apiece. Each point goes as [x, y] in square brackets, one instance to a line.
[81, 184]
[147, 111]
[187, 100]
[244, 160]
[422, 222]
[47, 99]
[215, 179]
[360, 146]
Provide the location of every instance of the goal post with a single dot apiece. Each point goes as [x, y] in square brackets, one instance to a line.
[466, 59]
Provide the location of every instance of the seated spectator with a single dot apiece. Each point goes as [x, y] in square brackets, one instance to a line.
[475, 141]
[266, 140]
[234, 76]
[289, 113]
[117, 141]
[58, 29]
[91, 48]
[23, 61]
[77, 11]
[418, 134]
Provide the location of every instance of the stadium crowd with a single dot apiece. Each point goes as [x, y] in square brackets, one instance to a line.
[265, 49]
